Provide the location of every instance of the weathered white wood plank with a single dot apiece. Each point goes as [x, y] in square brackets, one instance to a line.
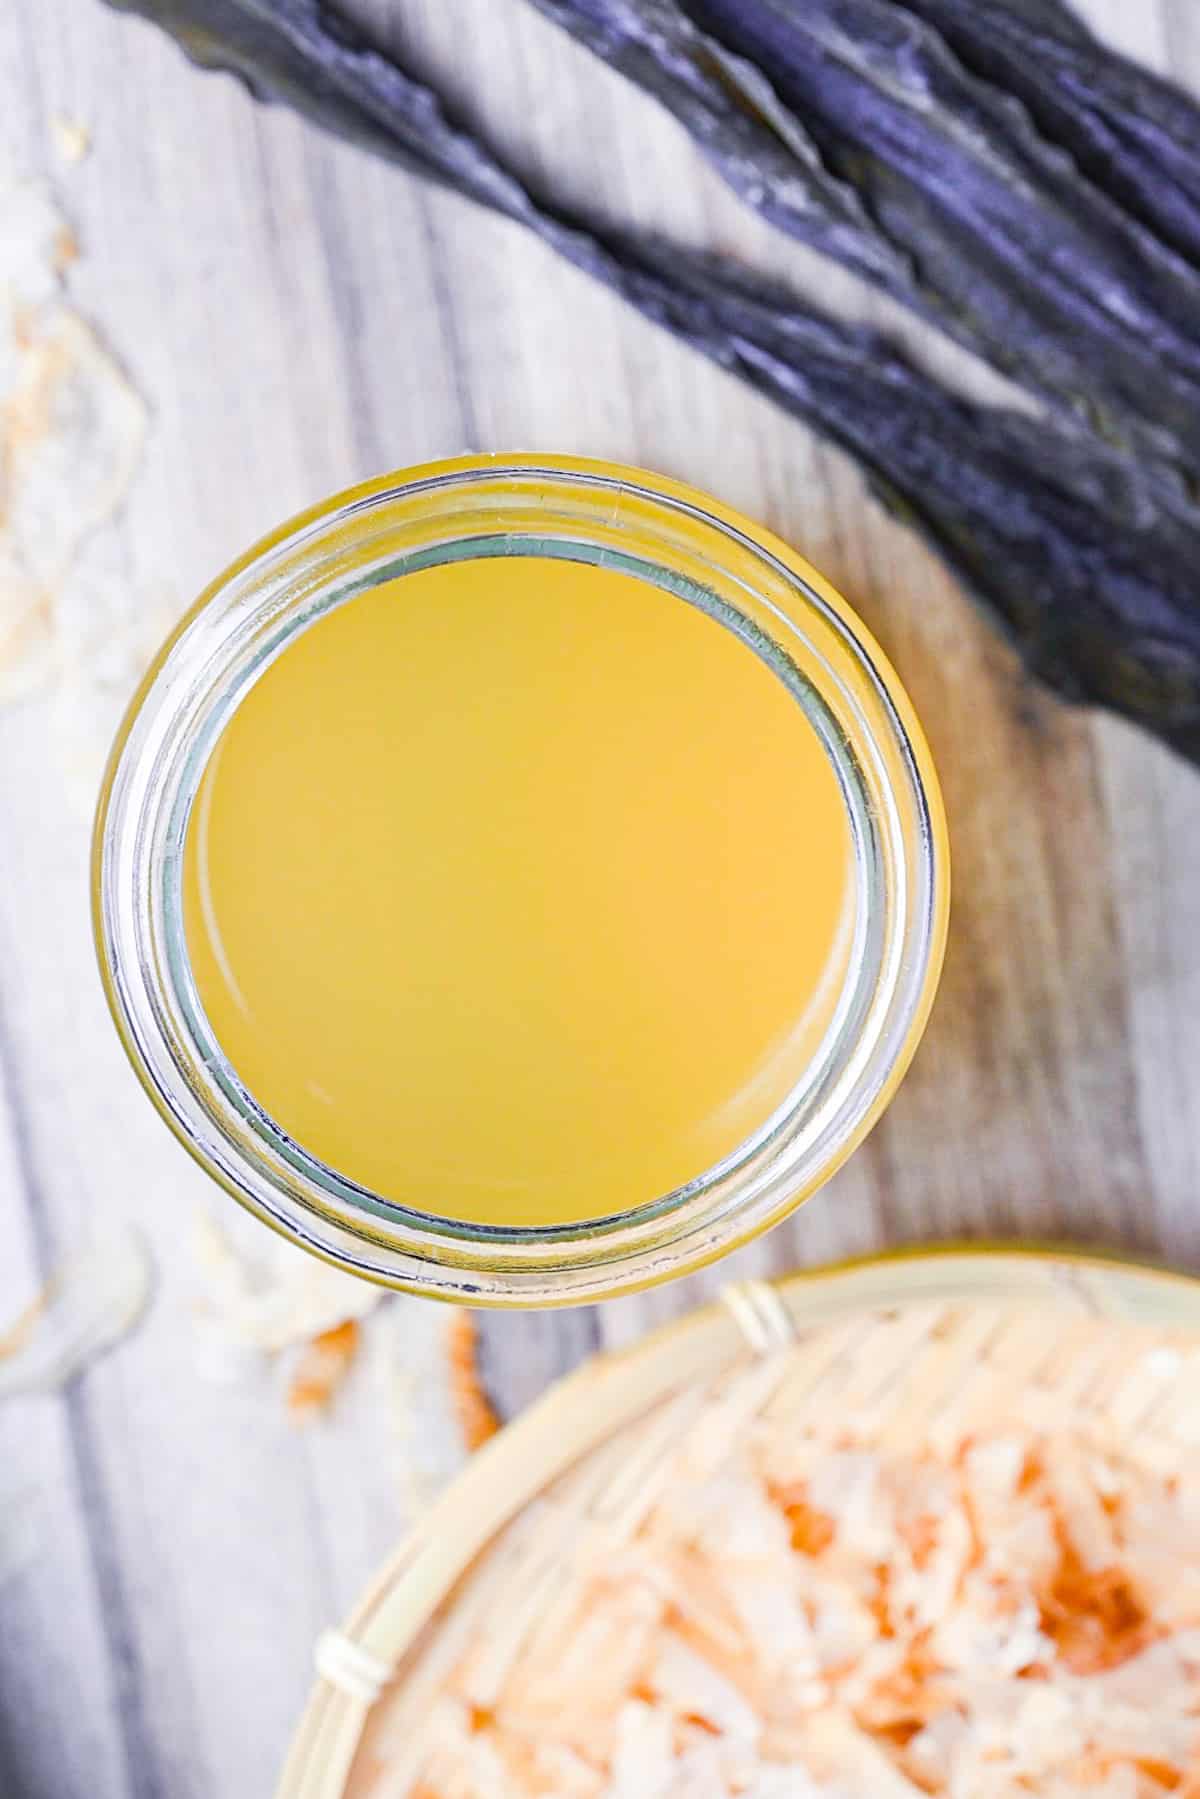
[51, 1631]
[300, 317]
[1154, 805]
[213, 1538]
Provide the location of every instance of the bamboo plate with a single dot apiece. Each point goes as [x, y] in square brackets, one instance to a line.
[911, 1337]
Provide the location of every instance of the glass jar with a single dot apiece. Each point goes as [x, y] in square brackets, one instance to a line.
[676, 539]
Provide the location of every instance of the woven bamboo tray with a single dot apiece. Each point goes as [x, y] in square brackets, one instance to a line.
[911, 1339]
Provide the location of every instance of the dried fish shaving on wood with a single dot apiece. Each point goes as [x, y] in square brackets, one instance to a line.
[323, 1366]
[72, 139]
[90, 1302]
[71, 434]
[477, 1417]
[273, 1304]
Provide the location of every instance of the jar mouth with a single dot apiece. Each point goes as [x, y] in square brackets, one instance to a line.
[671, 538]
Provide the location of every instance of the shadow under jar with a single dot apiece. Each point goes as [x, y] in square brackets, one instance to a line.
[520, 880]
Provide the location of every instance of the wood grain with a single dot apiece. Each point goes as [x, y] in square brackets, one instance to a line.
[299, 317]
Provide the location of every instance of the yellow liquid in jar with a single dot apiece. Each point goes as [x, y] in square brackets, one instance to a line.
[517, 890]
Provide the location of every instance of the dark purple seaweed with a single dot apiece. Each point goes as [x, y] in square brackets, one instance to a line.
[1130, 132]
[1014, 253]
[1105, 323]
[1079, 553]
[1083, 555]
[961, 223]
[738, 122]
[298, 52]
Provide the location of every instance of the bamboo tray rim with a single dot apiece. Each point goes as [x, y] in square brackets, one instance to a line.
[610, 1390]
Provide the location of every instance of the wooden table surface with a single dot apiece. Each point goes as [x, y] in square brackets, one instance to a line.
[298, 317]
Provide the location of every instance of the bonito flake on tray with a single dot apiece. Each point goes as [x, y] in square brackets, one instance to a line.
[824, 1609]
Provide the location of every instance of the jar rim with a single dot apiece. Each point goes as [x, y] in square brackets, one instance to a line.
[707, 555]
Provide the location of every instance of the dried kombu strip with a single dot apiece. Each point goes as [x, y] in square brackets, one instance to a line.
[736, 118]
[1077, 551]
[1133, 134]
[301, 53]
[1016, 254]
[1083, 554]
